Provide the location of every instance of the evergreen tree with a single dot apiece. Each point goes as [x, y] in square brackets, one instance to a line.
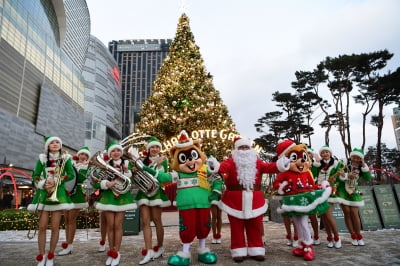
[184, 98]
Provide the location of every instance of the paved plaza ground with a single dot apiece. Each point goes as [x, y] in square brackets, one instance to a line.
[382, 248]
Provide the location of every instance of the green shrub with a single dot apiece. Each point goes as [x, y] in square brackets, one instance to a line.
[24, 220]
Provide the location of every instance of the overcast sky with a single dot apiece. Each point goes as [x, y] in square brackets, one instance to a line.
[253, 48]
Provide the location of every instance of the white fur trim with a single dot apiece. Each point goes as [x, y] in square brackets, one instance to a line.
[202, 250]
[156, 202]
[281, 187]
[80, 205]
[242, 142]
[325, 148]
[356, 153]
[182, 254]
[256, 251]
[115, 208]
[239, 252]
[153, 143]
[247, 212]
[84, 151]
[350, 203]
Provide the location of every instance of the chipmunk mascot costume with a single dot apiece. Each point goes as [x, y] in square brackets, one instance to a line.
[194, 196]
[301, 197]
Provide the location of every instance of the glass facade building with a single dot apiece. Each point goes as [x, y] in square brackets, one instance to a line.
[139, 62]
[42, 50]
[102, 97]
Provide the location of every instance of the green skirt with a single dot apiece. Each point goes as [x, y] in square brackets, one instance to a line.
[306, 203]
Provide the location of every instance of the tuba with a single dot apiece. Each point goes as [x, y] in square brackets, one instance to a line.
[104, 171]
[148, 184]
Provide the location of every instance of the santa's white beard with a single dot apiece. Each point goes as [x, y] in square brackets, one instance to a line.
[246, 167]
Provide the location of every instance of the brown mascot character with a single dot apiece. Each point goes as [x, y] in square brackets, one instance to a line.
[301, 197]
[194, 196]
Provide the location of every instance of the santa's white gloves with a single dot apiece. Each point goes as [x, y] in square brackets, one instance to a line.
[212, 164]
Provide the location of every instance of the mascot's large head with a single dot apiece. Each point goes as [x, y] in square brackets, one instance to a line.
[297, 154]
[186, 155]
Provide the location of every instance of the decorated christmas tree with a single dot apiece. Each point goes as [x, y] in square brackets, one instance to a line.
[184, 98]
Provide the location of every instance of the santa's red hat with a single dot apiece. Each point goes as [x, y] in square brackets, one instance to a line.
[239, 141]
[283, 146]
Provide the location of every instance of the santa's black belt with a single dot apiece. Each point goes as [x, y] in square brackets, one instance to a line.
[235, 187]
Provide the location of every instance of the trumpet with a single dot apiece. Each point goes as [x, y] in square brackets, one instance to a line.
[104, 171]
[57, 176]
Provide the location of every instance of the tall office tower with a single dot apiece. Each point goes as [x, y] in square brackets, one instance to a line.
[139, 62]
[396, 125]
[42, 48]
[102, 97]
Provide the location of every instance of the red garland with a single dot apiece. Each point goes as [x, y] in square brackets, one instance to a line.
[156, 248]
[39, 257]
[50, 256]
[64, 245]
[144, 252]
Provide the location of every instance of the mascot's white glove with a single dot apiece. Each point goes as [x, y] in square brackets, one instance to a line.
[283, 164]
[212, 164]
[281, 187]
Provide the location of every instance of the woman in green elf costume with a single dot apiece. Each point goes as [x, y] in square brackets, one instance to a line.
[150, 207]
[52, 170]
[113, 202]
[327, 168]
[350, 198]
[78, 198]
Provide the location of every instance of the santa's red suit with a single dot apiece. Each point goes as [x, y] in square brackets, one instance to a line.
[244, 201]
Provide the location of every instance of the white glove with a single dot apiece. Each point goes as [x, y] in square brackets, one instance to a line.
[133, 150]
[317, 157]
[285, 160]
[212, 164]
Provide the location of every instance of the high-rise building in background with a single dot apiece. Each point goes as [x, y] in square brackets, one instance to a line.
[139, 62]
[396, 125]
[42, 49]
[103, 108]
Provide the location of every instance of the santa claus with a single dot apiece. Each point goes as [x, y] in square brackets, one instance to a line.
[243, 199]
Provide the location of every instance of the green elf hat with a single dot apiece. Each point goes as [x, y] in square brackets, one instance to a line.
[310, 150]
[84, 150]
[325, 148]
[113, 145]
[48, 140]
[153, 141]
[357, 152]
